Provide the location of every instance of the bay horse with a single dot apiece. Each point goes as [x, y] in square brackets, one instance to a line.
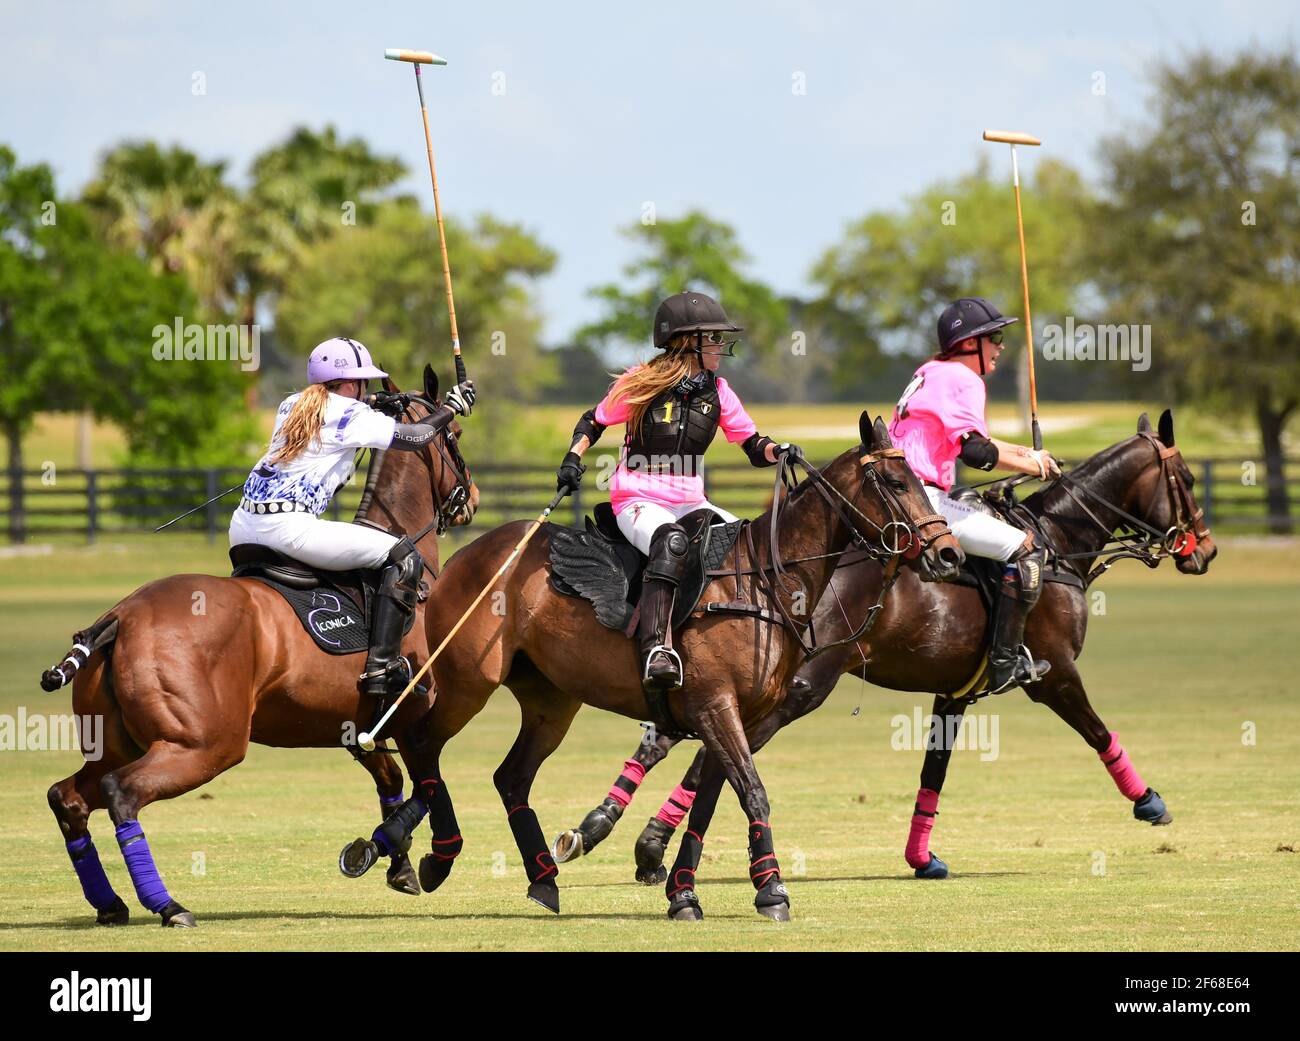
[1141, 486]
[187, 670]
[554, 655]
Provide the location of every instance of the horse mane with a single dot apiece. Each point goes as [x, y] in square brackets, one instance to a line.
[1097, 471]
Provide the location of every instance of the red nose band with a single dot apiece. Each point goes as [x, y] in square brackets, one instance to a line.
[1185, 544]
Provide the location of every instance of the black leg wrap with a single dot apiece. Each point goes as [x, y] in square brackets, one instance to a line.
[763, 867]
[538, 863]
[683, 903]
[436, 865]
[651, 845]
[399, 824]
[597, 825]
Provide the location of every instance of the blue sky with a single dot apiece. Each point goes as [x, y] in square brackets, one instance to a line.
[607, 106]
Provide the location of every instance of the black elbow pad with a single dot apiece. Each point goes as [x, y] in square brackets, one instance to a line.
[755, 446]
[412, 437]
[978, 452]
[587, 427]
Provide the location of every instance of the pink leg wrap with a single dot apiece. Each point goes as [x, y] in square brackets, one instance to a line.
[626, 784]
[918, 839]
[1117, 764]
[678, 805]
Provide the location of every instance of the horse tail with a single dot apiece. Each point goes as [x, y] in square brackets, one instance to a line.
[84, 644]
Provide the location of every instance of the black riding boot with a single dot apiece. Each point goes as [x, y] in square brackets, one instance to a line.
[661, 668]
[1010, 663]
[395, 601]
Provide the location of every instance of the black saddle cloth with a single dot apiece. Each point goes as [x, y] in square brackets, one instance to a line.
[600, 566]
[333, 606]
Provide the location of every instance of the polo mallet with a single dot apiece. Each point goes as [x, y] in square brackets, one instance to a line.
[1013, 138]
[367, 740]
[418, 58]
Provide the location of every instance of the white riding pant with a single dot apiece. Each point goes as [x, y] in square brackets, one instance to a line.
[977, 533]
[641, 519]
[332, 545]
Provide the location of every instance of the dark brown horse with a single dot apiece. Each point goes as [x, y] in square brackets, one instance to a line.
[187, 670]
[555, 657]
[1144, 477]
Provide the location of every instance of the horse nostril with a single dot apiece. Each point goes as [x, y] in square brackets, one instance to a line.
[951, 556]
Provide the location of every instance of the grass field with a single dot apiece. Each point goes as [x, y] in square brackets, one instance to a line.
[1178, 665]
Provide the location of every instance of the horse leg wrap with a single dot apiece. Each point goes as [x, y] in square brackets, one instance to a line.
[149, 888]
[598, 824]
[763, 867]
[1121, 770]
[538, 863]
[677, 806]
[680, 888]
[94, 883]
[394, 835]
[388, 804]
[626, 784]
[918, 839]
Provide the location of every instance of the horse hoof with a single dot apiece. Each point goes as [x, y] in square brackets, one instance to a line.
[566, 847]
[652, 876]
[686, 908]
[935, 869]
[401, 878]
[358, 857]
[116, 913]
[547, 894]
[433, 872]
[776, 912]
[176, 917]
[1152, 809]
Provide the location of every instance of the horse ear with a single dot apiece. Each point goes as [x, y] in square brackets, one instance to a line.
[1165, 428]
[430, 383]
[881, 433]
[1144, 424]
[864, 429]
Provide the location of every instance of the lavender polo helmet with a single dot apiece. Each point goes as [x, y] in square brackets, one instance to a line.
[341, 359]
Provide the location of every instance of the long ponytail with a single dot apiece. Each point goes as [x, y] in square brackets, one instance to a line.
[641, 385]
[303, 424]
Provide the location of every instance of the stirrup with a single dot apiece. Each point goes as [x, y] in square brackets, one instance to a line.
[399, 667]
[672, 654]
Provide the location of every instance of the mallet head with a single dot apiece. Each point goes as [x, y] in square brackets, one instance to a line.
[415, 57]
[1011, 137]
[366, 742]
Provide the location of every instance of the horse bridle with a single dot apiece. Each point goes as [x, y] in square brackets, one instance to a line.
[445, 511]
[892, 546]
[1152, 545]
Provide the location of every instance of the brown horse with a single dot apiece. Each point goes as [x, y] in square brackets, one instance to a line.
[1144, 477]
[555, 657]
[187, 670]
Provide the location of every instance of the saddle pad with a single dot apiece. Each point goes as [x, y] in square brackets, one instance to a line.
[330, 616]
[607, 574]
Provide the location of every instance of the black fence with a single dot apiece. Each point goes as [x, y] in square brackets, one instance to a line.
[90, 504]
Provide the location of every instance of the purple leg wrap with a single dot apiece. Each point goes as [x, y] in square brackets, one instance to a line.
[94, 883]
[149, 888]
[399, 825]
[391, 800]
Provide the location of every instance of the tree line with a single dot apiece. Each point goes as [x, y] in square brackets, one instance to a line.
[1191, 228]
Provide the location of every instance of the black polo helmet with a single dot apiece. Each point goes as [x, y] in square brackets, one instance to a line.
[970, 316]
[690, 312]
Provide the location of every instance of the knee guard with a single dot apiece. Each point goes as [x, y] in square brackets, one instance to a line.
[402, 569]
[668, 549]
[1025, 572]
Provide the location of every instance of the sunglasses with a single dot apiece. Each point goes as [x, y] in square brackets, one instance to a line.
[994, 337]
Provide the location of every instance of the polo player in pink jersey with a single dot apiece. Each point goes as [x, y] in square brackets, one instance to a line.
[672, 407]
[940, 419]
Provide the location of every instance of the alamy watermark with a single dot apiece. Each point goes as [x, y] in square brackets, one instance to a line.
[923, 732]
[1085, 342]
[189, 341]
[40, 732]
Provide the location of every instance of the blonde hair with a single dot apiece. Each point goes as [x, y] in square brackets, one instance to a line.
[303, 424]
[639, 386]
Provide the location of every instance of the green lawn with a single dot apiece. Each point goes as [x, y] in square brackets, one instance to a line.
[1177, 665]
